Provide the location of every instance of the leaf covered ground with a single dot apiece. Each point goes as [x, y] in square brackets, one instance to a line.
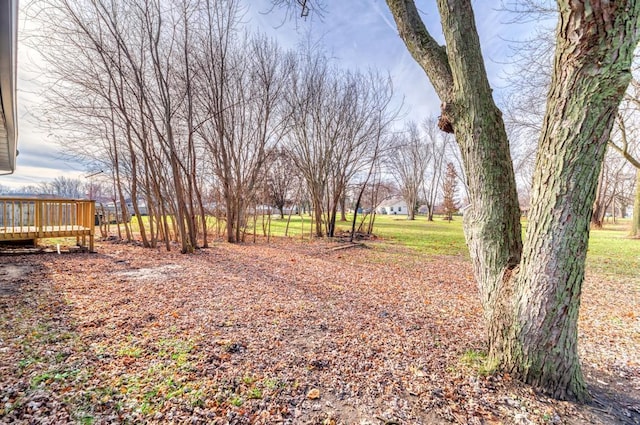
[285, 332]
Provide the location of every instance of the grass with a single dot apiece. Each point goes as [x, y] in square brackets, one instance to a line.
[611, 252]
[438, 237]
[50, 376]
[134, 352]
[254, 393]
[478, 361]
[271, 383]
[177, 350]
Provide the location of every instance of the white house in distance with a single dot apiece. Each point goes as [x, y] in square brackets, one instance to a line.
[393, 206]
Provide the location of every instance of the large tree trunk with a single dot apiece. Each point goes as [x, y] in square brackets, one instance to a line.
[595, 43]
[531, 311]
[459, 77]
[492, 223]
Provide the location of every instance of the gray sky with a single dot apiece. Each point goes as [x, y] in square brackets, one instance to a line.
[357, 33]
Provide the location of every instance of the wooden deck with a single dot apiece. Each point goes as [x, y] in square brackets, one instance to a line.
[25, 219]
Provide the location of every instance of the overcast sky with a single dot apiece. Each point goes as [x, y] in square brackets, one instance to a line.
[357, 33]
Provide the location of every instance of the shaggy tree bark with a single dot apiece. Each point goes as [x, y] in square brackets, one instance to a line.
[595, 43]
[531, 310]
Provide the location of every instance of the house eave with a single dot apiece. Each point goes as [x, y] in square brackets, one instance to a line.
[8, 109]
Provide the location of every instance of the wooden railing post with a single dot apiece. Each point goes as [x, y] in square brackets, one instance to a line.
[91, 223]
[39, 222]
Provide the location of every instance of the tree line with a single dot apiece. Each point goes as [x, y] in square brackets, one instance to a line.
[193, 116]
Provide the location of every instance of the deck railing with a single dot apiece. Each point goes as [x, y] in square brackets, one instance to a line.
[33, 219]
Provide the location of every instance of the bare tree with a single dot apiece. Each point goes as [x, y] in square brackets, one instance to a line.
[64, 187]
[408, 164]
[281, 181]
[612, 183]
[441, 146]
[626, 145]
[166, 109]
[120, 93]
[337, 118]
[241, 88]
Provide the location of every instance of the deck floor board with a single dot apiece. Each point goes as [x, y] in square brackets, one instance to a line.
[30, 232]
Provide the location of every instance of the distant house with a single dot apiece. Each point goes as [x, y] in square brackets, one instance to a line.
[393, 206]
[142, 207]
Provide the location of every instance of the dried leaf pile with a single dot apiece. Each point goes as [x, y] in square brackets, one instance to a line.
[285, 332]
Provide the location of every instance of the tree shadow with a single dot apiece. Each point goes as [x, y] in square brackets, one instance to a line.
[615, 398]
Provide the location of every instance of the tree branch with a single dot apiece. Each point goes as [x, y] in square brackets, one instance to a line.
[624, 151]
[431, 56]
[464, 54]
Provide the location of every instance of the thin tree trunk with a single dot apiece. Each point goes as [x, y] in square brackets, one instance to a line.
[317, 211]
[117, 219]
[635, 221]
[411, 212]
[599, 209]
[269, 226]
[357, 207]
[117, 180]
[372, 221]
[294, 205]
[255, 222]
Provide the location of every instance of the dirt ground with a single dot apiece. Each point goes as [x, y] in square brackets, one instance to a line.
[286, 332]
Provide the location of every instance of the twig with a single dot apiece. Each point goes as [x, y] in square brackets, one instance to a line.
[347, 246]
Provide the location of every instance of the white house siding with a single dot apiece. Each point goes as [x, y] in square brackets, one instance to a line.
[394, 206]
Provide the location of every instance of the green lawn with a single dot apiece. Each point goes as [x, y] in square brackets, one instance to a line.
[611, 251]
[438, 237]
